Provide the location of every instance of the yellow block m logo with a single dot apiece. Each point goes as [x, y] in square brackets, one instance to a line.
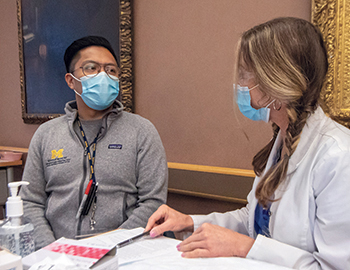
[56, 154]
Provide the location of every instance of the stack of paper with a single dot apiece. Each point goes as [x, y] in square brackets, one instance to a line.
[99, 252]
[145, 254]
[142, 249]
[83, 255]
[9, 261]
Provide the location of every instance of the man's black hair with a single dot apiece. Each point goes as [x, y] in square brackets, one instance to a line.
[82, 43]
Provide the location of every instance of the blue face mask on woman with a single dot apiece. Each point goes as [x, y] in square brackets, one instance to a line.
[244, 104]
[99, 92]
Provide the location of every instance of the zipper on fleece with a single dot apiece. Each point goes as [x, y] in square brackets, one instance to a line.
[81, 188]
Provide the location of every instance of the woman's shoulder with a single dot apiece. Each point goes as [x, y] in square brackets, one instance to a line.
[325, 130]
[334, 131]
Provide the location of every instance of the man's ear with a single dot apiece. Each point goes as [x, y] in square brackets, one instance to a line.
[69, 80]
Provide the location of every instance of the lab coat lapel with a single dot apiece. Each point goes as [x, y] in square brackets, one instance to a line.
[251, 196]
[313, 124]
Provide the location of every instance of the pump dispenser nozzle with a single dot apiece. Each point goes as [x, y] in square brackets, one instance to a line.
[14, 204]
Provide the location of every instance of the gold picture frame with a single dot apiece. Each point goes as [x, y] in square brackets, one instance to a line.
[122, 46]
[332, 18]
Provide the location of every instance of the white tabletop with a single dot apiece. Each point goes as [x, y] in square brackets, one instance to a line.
[173, 260]
[145, 254]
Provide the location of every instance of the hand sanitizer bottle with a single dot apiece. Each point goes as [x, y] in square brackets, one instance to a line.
[16, 236]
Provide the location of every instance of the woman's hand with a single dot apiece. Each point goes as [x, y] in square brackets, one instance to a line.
[215, 241]
[168, 219]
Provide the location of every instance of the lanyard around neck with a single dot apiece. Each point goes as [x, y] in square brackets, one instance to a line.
[90, 154]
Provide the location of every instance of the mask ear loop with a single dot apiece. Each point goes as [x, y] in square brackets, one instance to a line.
[77, 93]
[75, 77]
[274, 106]
[262, 106]
[253, 87]
[78, 81]
[270, 103]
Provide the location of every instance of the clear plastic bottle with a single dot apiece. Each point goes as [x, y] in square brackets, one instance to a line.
[15, 235]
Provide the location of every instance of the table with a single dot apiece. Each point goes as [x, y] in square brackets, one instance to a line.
[145, 254]
[9, 168]
[174, 261]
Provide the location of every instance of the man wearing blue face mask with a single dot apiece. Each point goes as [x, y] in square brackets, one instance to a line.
[97, 168]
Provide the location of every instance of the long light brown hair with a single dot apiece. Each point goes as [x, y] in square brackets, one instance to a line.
[289, 61]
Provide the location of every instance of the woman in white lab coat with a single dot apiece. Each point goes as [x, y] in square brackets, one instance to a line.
[298, 211]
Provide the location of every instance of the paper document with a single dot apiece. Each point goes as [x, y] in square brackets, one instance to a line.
[80, 253]
[144, 248]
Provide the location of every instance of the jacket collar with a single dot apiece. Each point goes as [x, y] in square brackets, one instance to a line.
[312, 128]
[71, 110]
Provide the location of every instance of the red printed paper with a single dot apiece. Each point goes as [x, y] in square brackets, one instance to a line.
[74, 250]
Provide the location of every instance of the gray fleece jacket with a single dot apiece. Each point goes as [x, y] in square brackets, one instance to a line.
[130, 167]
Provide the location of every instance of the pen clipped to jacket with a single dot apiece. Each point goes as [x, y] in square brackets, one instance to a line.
[88, 198]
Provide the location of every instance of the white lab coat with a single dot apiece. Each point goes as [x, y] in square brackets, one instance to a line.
[310, 224]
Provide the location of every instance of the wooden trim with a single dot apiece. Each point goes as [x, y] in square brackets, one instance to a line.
[207, 196]
[211, 169]
[13, 149]
[10, 163]
[216, 183]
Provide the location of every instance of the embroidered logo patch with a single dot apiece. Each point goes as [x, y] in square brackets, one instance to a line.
[57, 154]
[115, 146]
[57, 158]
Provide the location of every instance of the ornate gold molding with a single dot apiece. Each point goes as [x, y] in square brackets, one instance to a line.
[126, 40]
[332, 17]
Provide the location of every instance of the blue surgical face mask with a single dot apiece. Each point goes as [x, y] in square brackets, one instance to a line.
[244, 104]
[99, 92]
